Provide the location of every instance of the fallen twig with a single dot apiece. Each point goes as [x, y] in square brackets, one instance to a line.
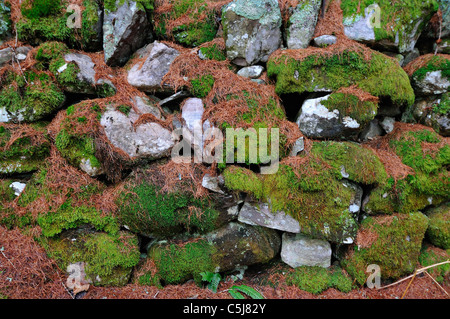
[418, 271]
[442, 288]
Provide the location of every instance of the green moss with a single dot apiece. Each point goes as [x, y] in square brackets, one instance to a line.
[107, 257]
[176, 264]
[429, 182]
[30, 97]
[430, 256]
[69, 217]
[202, 86]
[438, 231]
[214, 53]
[350, 105]
[47, 21]
[76, 148]
[21, 156]
[318, 201]
[443, 107]
[112, 5]
[144, 209]
[397, 19]
[195, 32]
[380, 76]
[395, 248]
[125, 109]
[436, 63]
[6, 192]
[315, 279]
[361, 164]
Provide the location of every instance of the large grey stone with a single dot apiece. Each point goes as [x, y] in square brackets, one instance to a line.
[302, 24]
[317, 121]
[251, 30]
[149, 140]
[124, 31]
[299, 250]
[261, 215]
[147, 76]
[433, 83]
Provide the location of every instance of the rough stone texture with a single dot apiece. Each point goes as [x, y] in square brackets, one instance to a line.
[359, 27]
[213, 183]
[316, 121]
[372, 130]
[423, 111]
[86, 166]
[148, 76]
[243, 245]
[299, 250]
[124, 31]
[7, 55]
[324, 40]
[261, 215]
[388, 124]
[251, 72]
[251, 30]
[432, 84]
[17, 187]
[298, 147]
[148, 140]
[302, 24]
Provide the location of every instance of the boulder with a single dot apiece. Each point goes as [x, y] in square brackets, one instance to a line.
[261, 215]
[438, 231]
[125, 29]
[302, 23]
[371, 23]
[300, 250]
[324, 40]
[147, 76]
[252, 72]
[251, 30]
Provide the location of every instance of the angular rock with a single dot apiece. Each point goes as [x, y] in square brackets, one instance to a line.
[367, 23]
[324, 40]
[251, 30]
[388, 124]
[213, 183]
[251, 72]
[17, 187]
[298, 147]
[19, 54]
[371, 131]
[243, 245]
[260, 215]
[124, 31]
[148, 140]
[433, 83]
[317, 121]
[299, 250]
[147, 76]
[302, 24]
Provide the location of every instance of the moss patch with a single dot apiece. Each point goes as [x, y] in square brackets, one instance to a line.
[438, 231]
[393, 243]
[317, 279]
[380, 76]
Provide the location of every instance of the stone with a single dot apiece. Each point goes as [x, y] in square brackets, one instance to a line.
[324, 40]
[261, 215]
[317, 121]
[147, 76]
[124, 31]
[213, 183]
[86, 166]
[388, 124]
[149, 140]
[243, 245]
[8, 54]
[410, 56]
[17, 187]
[251, 30]
[251, 72]
[372, 130]
[298, 147]
[302, 24]
[432, 84]
[300, 250]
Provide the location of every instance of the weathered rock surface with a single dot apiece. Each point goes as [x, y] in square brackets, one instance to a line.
[124, 31]
[299, 250]
[302, 24]
[251, 30]
[147, 76]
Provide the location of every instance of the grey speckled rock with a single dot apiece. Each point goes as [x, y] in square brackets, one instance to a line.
[124, 31]
[149, 140]
[262, 216]
[316, 121]
[324, 40]
[251, 30]
[302, 24]
[251, 72]
[148, 76]
[432, 84]
[299, 250]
